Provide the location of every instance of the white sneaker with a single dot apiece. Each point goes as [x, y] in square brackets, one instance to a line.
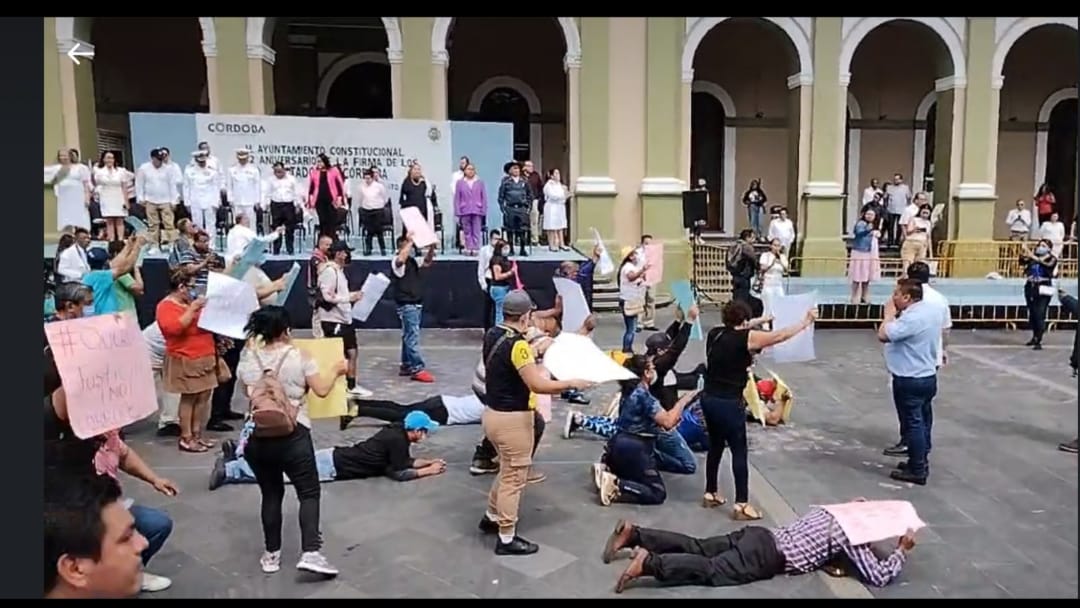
[609, 489]
[313, 561]
[361, 392]
[152, 582]
[270, 561]
[598, 470]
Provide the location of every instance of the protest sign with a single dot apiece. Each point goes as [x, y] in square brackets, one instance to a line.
[576, 357]
[870, 521]
[604, 266]
[290, 280]
[229, 304]
[575, 308]
[654, 257]
[326, 352]
[422, 234]
[788, 311]
[683, 293]
[371, 292]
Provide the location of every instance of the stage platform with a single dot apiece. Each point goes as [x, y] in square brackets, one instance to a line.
[453, 297]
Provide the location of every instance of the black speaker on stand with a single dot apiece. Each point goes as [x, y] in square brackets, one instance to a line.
[695, 211]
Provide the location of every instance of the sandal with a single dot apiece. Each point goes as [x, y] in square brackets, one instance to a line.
[206, 443]
[712, 500]
[191, 445]
[745, 512]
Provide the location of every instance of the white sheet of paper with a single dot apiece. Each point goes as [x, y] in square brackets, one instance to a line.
[576, 357]
[574, 305]
[373, 288]
[875, 520]
[788, 311]
[604, 266]
[415, 223]
[229, 303]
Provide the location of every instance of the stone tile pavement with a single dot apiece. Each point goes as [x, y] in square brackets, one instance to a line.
[1001, 503]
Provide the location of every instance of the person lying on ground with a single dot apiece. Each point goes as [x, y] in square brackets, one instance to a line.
[443, 409]
[753, 553]
[385, 454]
[628, 470]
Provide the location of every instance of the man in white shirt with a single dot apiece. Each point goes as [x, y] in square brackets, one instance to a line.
[336, 321]
[211, 160]
[243, 186]
[241, 235]
[873, 189]
[73, 262]
[156, 189]
[284, 202]
[1019, 222]
[899, 197]
[911, 212]
[782, 229]
[168, 403]
[920, 271]
[444, 409]
[202, 191]
[483, 260]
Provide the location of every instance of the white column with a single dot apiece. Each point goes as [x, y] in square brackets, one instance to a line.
[258, 55]
[686, 96]
[212, 89]
[395, 58]
[68, 95]
[572, 64]
[440, 60]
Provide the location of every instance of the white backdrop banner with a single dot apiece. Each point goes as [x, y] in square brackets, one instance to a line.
[356, 144]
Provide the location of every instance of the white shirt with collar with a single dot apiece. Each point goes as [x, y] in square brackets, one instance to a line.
[244, 185]
[483, 260]
[155, 184]
[282, 190]
[1019, 220]
[869, 194]
[239, 237]
[202, 187]
[782, 230]
[938, 300]
[211, 162]
[73, 263]
[909, 213]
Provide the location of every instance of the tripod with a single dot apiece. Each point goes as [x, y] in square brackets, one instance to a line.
[695, 259]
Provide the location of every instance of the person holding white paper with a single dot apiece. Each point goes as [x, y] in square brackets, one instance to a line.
[772, 268]
[729, 352]
[751, 554]
[407, 282]
[335, 319]
[1040, 266]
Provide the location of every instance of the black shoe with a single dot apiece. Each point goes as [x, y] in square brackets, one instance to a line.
[518, 546]
[1030, 342]
[523, 254]
[903, 466]
[906, 475]
[228, 450]
[483, 466]
[487, 526]
[895, 450]
[169, 430]
[575, 397]
[232, 416]
[1036, 346]
[1068, 446]
[219, 426]
[343, 422]
[217, 474]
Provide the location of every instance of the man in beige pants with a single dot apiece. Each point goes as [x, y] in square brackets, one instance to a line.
[512, 380]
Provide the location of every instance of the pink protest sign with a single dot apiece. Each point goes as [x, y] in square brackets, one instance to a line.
[654, 256]
[104, 366]
[873, 520]
[422, 234]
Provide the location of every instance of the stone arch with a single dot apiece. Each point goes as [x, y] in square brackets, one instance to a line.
[721, 95]
[798, 37]
[70, 29]
[440, 33]
[259, 34]
[939, 25]
[1014, 32]
[918, 157]
[338, 67]
[505, 82]
[1042, 135]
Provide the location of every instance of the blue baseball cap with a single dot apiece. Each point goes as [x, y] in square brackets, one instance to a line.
[419, 421]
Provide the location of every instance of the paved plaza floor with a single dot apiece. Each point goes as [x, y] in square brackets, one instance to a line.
[1001, 502]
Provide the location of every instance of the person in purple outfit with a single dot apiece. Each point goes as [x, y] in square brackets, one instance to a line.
[470, 207]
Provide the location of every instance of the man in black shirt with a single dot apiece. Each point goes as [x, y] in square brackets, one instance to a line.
[408, 290]
[385, 453]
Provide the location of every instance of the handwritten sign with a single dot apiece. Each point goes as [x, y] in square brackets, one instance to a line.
[604, 266]
[576, 357]
[422, 234]
[871, 521]
[575, 308]
[371, 292]
[104, 366]
[229, 304]
[326, 352]
[654, 256]
[290, 280]
[788, 311]
[683, 293]
[254, 255]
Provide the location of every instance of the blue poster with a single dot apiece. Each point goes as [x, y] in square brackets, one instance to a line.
[290, 279]
[254, 255]
[684, 299]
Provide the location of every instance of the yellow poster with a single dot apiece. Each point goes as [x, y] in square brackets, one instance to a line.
[753, 400]
[326, 352]
[784, 397]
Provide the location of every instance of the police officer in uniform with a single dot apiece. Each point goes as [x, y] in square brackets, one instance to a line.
[515, 201]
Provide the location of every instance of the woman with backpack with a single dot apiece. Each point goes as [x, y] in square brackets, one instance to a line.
[277, 375]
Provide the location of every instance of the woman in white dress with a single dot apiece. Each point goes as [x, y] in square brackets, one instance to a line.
[112, 184]
[70, 182]
[555, 197]
[773, 265]
[1054, 231]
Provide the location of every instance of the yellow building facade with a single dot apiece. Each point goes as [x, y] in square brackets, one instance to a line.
[978, 111]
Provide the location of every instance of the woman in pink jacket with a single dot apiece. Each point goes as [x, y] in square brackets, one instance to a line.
[326, 195]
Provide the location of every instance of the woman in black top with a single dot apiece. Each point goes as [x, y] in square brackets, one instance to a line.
[729, 351]
[414, 192]
[1039, 267]
[502, 276]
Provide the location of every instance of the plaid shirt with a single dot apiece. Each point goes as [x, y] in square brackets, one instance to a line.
[810, 541]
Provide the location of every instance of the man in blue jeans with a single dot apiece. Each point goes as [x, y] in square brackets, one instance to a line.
[911, 331]
[407, 284]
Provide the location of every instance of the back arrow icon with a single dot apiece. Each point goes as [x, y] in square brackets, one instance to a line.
[75, 53]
